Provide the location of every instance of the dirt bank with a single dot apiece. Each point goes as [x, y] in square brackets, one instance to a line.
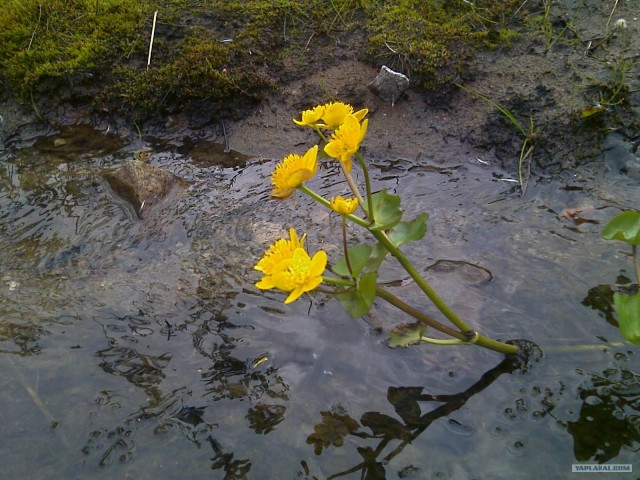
[569, 77]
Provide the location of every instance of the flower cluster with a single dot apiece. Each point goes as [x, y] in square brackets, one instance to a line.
[349, 130]
[332, 115]
[286, 265]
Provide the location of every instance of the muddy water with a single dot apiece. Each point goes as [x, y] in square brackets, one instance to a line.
[140, 349]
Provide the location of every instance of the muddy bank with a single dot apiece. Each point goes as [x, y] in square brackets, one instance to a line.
[568, 76]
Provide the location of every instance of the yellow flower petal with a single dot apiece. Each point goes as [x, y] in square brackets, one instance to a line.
[266, 283]
[360, 114]
[335, 113]
[310, 117]
[318, 264]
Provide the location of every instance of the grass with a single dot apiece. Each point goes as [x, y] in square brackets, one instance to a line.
[528, 134]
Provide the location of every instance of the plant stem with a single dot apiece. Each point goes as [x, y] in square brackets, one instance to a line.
[418, 315]
[422, 283]
[323, 201]
[345, 247]
[367, 185]
[356, 192]
[427, 320]
[340, 282]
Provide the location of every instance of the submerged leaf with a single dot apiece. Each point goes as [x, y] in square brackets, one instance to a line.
[406, 334]
[628, 310]
[332, 430]
[625, 227]
[382, 425]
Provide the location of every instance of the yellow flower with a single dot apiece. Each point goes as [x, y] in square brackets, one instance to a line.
[335, 113]
[346, 140]
[296, 275]
[293, 171]
[310, 117]
[281, 250]
[344, 206]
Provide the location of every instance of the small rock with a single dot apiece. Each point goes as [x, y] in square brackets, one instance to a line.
[58, 142]
[143, 185]
[389, 85]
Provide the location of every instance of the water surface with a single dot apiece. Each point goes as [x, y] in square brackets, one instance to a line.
[139, 348]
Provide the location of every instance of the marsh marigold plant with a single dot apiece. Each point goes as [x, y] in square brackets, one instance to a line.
[353, 279]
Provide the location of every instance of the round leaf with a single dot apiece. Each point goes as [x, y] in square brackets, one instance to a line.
[406, 334]
[625, 227]
[628, 310]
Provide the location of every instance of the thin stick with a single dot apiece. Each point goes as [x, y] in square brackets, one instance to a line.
[611, 14]
[38, 402]
[153, 33]
[227, 148]
[35, 30]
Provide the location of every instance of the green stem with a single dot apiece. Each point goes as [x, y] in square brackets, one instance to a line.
[323, 201]
[418, 315]
[345, 247]
[422, 283]
[448, 341]
[340, 282]
[367, 185]
[480, 340]
[356, 192]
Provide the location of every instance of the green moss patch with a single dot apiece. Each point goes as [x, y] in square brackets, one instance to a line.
[223, 54]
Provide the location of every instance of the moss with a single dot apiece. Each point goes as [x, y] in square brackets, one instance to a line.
[41, 40]
[427, 39]
[200, 71]
[223, 54]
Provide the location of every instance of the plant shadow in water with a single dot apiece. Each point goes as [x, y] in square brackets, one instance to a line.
[608, 417]
[406, 401]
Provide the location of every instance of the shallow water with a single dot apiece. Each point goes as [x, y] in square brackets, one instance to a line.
[140, 348]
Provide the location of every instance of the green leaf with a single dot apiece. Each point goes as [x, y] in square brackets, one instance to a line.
[412, 231]
[358, 257]
[358, 302]
[386, 210]
[406, 334]
[377, 256]
[625, 227]
[628, 310]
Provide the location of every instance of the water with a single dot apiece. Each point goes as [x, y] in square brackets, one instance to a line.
[140, 349]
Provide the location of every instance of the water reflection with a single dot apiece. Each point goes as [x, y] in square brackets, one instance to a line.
[21, 339]
[609, 417]
[380, 437]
